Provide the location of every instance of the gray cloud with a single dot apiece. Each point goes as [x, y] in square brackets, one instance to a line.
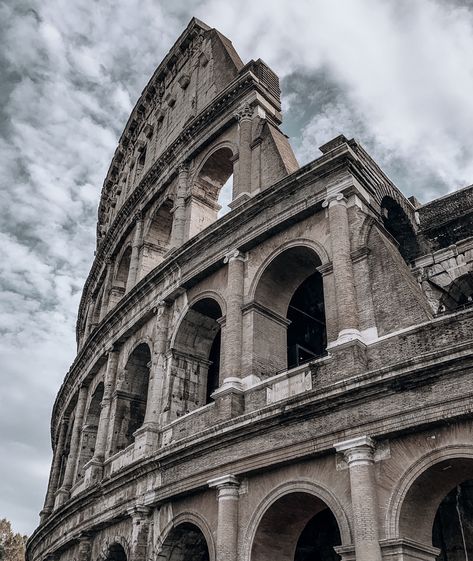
[397, 75]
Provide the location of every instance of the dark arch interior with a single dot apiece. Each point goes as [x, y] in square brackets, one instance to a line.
[306, 334]
[116, 553]
[186, 542]
[458, 294]
[195, 366]
[132, 402]
[398, 225]
[318, 539]
[214, 182]
[297, 527]
[453, 525]
[89, 430]
[210, 309]
[123, 268]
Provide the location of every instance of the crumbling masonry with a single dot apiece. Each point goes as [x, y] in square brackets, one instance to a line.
[291, 381]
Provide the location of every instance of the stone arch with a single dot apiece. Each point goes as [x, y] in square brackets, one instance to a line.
[316, 247]
[132, 395]
[307, 495]
[385, 190]
[194, 519]
[156, 235]
[459, 292]
[108, 546]
[422, 488]
[207, 183]
[121, 272]
[289, 328]
[196, 355]
[90, 428]
[399, 225]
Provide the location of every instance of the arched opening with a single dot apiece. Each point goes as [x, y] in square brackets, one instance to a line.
[116, 553]
[123, 269]
[453, 525]
[458, 294]
[289, 313]
[89, 430]
[184, 542]
[132, 394]
[212, 190]
[196, 358]
[438, 509]
[157, 237]
[398, 225]
[297, 527]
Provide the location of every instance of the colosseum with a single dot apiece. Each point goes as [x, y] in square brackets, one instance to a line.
[288, 381]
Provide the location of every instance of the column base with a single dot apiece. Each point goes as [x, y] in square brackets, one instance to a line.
[44, 515]
[62, 495]
[346, 337]
[349, 351]
[229, 398]
[402, 549]
[346, 552]
[93, 472]
[146, 440]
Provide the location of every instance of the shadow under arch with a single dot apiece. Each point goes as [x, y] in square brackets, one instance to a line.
[278, 524]
[189, 537]
[115, 549]
[415, 501]
[196, 356]
[288, 309]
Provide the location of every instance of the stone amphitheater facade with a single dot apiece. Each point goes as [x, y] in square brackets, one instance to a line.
[290, 381]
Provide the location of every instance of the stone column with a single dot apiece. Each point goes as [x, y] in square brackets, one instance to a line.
[243, 185]
[227, 526]
[93, 470]
[63, 494]
[234, 318]
[140, 530]
[347, 312]
[157, 373]
[85, 547]
[135, 251]
[107, 288]
[179, 217]
[146, 437]
[55, 471]
[359, 455]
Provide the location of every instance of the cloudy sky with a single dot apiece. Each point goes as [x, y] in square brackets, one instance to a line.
[396, 74]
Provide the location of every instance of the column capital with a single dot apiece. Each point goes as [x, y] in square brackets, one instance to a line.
[139, 512]
[160, 307]
[138, 215]
[244, 113]
[234, 255]
[183, 168]
[334, 199]
[357, 451]
[224, 482]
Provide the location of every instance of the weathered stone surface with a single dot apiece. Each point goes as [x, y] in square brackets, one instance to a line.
[292, 379]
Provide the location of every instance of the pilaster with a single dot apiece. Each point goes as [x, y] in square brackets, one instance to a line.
[55, 471]
[146, 437]
[63, 493]
[94, 468]
[227, 526]
[359, 455]
[242, 184]
[179, 217]
[135, 251]
[140, 530]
